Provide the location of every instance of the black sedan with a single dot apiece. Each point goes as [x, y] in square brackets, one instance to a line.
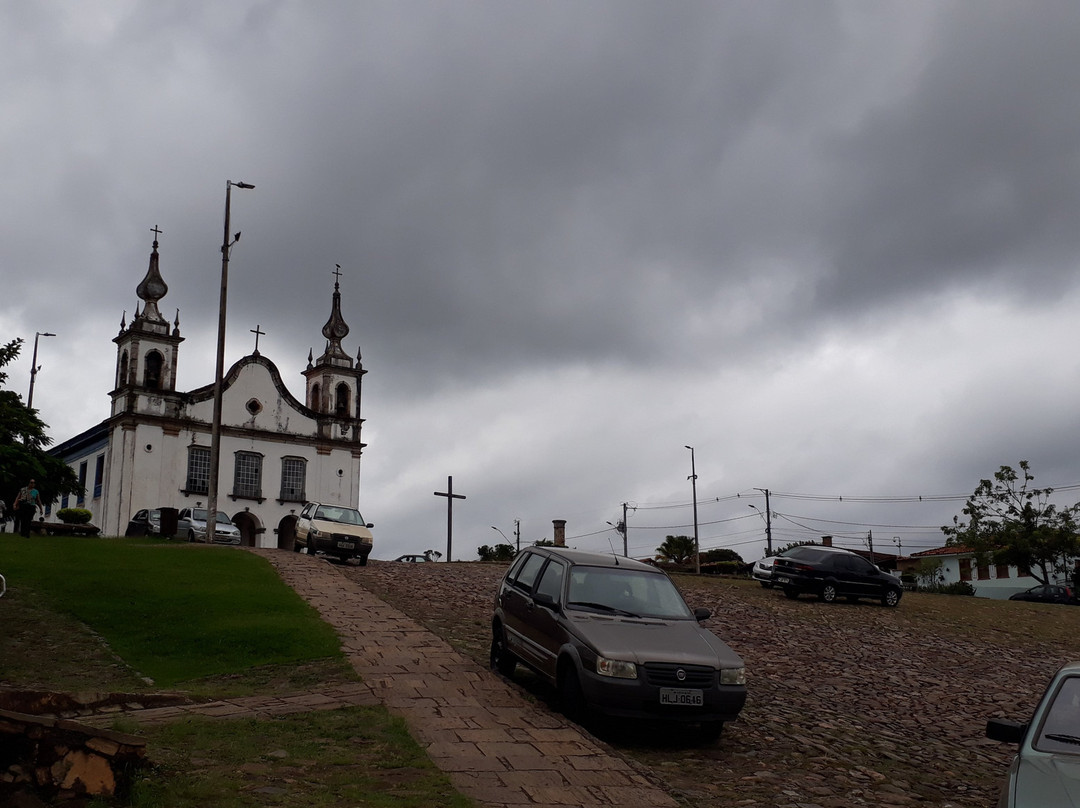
[1046, 593]
[614, 636]
[831, 573]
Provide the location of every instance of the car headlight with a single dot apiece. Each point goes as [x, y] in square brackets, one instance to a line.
[616, 669]
[733, 676]
[314, 532]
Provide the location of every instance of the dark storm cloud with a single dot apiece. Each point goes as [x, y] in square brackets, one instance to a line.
[967, 172]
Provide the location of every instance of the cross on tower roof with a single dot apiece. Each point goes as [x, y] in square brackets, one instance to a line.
[156, 231]
[337, 274]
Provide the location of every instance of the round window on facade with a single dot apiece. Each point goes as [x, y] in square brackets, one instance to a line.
[254, 407]
[149, 447]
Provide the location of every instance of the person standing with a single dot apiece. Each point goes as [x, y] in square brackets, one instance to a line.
[26, 504]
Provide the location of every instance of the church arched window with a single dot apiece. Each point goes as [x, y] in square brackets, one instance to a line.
[341, 401]
[316, 391]
[123, 376]
[152, 367]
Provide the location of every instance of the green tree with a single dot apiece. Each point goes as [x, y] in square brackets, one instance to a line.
[23, 444]
[500, 552]
[676, 549]
[1012, 522]
[720, 554]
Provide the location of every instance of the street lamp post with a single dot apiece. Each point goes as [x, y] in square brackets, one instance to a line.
[693, 483]
[215, 426]
[502, 534]
[34, 367]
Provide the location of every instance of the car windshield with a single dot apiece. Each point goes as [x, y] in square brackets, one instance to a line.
[199, 515]
[333, 513]
[1060, 729]
[626, 592]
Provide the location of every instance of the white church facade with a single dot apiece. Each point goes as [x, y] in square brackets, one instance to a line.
[276, 452]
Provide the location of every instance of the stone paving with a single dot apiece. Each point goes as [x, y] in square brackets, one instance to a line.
[497, 747]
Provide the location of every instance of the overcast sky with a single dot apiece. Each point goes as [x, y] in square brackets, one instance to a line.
[830, 245]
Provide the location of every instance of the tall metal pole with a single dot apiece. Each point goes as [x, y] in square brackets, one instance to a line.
[693, 483]
[34, 367]
[219, 371]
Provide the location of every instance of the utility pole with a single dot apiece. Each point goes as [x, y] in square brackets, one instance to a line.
[625, 530]
[768, 522]
[517, 533]
[693, 484]
[450, 497]
[870, 541]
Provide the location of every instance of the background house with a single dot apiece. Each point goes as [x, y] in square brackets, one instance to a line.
[958, 563]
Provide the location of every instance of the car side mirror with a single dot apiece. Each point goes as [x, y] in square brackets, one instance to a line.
[702, 614]
[1006, 731]
[545, 600]
[370, 525]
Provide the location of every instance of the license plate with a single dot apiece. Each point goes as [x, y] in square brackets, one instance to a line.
[682, 697]
[346, 545]
[783, 580]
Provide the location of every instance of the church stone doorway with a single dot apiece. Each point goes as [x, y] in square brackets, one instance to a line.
[250, 527]
[286, 532]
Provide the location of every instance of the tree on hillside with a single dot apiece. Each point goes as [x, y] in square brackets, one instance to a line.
[23, 443]
[676, 549]
[1012, 522]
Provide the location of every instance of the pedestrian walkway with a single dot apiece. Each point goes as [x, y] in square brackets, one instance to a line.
[497, 748]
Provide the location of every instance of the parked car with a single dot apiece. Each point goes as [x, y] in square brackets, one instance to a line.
[413, 558]
[830, 572]
[1046, 770]
[335, 530]
[191, 525]
[614, 635]
[763, 571]
[145, 522]
[1047, 593]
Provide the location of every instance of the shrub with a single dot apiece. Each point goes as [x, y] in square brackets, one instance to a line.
[955, 588]
[74, 516]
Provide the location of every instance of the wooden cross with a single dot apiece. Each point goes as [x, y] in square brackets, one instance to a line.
[156, 231]
[450, 497]
[257, 332]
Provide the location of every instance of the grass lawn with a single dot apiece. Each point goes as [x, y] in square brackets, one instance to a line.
[145, 615]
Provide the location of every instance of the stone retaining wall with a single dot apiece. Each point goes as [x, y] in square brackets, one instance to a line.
[62, 760]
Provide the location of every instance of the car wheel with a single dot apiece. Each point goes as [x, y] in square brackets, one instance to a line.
[502, 659]
[828, 593]
[891, 598]
[790, 592]
[571, 698]
[297, 547]
[363, 561]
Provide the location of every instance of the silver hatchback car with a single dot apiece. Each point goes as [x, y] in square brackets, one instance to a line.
[615, 636]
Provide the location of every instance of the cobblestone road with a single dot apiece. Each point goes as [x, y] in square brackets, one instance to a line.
[850, 704]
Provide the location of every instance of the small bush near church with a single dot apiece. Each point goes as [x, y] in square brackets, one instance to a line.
[74, 516]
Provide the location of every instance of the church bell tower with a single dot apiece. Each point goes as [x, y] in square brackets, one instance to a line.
[146, 350]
